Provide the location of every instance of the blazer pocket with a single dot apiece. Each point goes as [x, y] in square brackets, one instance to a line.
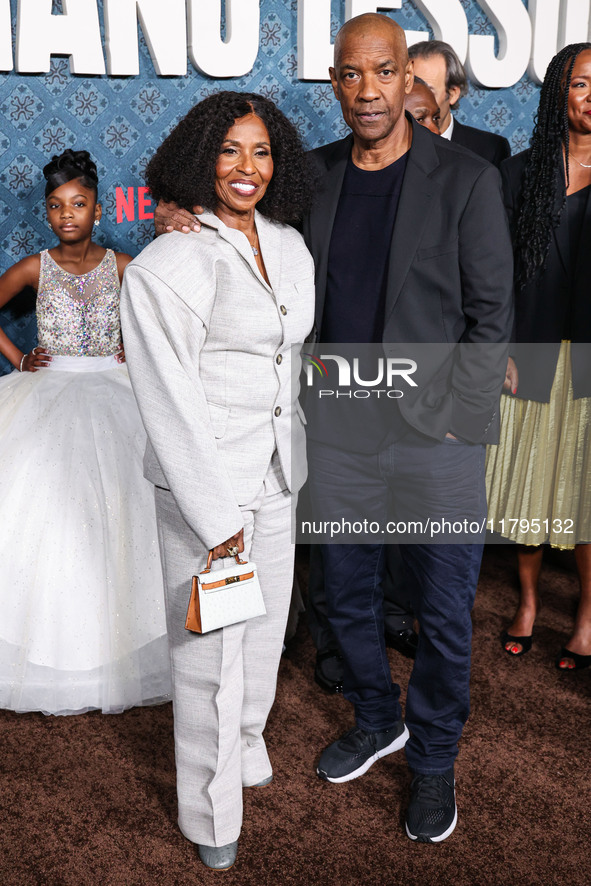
[218, 415]
[440, 249]
[304, 286]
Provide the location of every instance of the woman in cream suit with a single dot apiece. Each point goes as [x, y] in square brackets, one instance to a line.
[210, 321]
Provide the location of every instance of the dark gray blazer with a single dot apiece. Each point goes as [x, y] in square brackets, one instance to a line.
[488, 145]
[449, 281]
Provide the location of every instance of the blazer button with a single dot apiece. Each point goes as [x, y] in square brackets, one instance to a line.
[283, 310]
[278, 411]
[279, 358]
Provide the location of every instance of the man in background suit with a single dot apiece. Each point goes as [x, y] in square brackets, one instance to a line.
[436, 63]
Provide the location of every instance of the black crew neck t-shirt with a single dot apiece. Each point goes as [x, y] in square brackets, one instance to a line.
[354, 308]
[359, 253]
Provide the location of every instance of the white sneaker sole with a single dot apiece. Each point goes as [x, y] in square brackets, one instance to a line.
[396, 745]
[440, 837]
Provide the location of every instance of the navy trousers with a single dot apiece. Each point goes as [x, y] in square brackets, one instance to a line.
[415, 476]
[398, 614]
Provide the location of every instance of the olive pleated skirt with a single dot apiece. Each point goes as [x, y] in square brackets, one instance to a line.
[538, 478]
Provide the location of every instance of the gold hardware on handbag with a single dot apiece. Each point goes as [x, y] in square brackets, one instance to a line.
[224, 596]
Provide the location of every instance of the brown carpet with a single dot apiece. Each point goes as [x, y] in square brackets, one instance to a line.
[90, 800]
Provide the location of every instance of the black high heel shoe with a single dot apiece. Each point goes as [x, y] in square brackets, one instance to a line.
[524, 642]
[580, 661]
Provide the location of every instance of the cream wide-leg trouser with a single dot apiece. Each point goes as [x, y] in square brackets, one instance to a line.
[224, 682]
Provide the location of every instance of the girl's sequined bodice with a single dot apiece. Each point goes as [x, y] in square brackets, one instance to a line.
[78, 315]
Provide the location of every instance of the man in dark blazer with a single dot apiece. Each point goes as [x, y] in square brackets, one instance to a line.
[411, 244]
[438, 65]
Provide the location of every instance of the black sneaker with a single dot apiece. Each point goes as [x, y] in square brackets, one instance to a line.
[432, 815]
[354, 752]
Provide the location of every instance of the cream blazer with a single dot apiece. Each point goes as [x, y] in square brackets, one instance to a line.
[214, 357]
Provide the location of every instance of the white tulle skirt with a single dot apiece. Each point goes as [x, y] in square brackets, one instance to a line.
[82, 622]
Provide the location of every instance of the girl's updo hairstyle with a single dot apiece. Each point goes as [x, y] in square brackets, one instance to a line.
[68, 166]
[183, 168]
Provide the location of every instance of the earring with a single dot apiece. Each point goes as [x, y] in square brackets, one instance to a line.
[97, 222]
[49, 226]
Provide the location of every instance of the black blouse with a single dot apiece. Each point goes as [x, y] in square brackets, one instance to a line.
[557, 303]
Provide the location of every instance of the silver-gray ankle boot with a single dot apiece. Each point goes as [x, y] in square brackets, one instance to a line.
[218, 858]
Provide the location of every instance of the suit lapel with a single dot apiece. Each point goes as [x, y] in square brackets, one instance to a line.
[456, 133]
[240, 243]
[413, 211]
[322, 217]
[270, 242]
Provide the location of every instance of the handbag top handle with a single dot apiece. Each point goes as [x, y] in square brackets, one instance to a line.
[210, 560]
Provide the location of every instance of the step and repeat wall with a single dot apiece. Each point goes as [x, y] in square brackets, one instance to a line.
[114, 76]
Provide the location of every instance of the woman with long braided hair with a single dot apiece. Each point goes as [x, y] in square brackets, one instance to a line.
[539, 477]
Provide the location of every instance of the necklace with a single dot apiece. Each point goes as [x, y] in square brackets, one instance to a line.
[252, 246]
[584, 165]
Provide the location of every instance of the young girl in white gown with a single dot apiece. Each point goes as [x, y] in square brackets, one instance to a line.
[82, 623]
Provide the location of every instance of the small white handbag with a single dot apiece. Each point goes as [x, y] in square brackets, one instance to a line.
[224, 595]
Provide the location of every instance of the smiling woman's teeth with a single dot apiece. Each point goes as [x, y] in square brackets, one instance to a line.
[245, 188]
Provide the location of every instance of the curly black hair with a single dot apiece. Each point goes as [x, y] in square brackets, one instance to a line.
[183, 168]
[68, 166]
[543, 196]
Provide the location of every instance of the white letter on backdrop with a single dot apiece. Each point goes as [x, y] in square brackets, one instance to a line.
[449, 23]
[234, 56]
[165, 29]
[358, 7]
[544, 22]
[76, 33]
[315, 50]
[513, 26]
[574, 23]
[6, 61]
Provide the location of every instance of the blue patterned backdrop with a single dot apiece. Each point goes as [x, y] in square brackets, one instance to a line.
[122, 120]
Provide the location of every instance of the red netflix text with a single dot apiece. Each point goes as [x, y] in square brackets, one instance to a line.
[126, 204]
